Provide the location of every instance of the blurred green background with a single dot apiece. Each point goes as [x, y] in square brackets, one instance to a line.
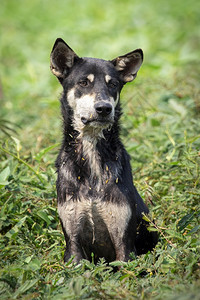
[167, 31]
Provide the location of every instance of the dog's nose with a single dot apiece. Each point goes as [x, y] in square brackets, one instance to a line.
[103, 108]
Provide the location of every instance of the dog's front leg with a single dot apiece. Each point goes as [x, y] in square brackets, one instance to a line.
[123, 253]
[73, 250]
[70, 217]
[121, 223]
[123, 249]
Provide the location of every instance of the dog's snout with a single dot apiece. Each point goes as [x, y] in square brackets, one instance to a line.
[103, 108]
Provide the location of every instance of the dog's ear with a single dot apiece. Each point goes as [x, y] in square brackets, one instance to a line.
[62, 59]
[129, 64]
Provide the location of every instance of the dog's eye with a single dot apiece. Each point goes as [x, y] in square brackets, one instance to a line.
[84, 82]
[112, 84]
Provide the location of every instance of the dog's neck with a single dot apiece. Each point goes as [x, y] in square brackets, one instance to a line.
[87, 156]
[91, 155]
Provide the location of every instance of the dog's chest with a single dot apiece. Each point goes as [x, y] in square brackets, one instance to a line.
[94, 220]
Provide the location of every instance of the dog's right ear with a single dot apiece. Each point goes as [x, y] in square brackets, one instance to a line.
[62, 59]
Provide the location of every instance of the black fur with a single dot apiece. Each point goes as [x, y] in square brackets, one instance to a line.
[100, 214]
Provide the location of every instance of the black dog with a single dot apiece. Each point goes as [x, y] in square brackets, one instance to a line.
[99, 207]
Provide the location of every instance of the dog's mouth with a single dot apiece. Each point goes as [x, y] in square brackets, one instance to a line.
[104, 121]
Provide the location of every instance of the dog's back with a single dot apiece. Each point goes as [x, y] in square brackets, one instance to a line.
[99, 207]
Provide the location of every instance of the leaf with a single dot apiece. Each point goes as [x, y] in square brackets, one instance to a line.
[193, 139]
[3, 177]
[195, 229]
[43, 215]
[25, 287]
[144, 217]
[185, 221]
[35, 264]
[18, 144]
[175, 234]
[155, 122]
[180, 109]
[117, 263]
[28, 259]
[151, 228]
[170, 156]
[13, 231]
[170, 138]
[39, 155]
[124, 277]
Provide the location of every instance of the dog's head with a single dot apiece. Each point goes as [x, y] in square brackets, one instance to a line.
[92, 86]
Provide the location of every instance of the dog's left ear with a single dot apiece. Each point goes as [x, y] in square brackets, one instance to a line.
[129, 64]
[62, 59]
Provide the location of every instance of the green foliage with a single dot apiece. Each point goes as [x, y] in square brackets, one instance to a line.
[160, 129]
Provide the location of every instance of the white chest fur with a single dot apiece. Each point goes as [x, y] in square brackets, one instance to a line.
[74, 215]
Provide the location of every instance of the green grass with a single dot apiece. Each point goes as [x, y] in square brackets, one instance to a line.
[160, 128]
